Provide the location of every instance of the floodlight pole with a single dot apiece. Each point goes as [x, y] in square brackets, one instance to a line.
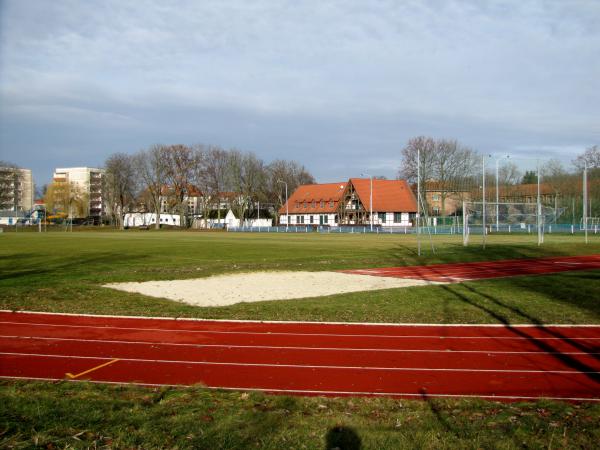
[539, 208]
[497, 194]
[287, 208]
[483, 197]
[418, 200]
[585, 200]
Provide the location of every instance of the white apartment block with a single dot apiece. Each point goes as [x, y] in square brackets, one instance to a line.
[89, 180]
[17, 189]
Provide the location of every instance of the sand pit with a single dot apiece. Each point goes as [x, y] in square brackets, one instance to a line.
[225, 290]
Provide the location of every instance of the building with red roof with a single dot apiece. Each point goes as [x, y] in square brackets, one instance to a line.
[349, 203]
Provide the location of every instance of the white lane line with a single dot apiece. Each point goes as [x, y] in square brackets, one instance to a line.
[312, 392]
[279, 333]
[300, 366]
[284, 322]
[282, 347]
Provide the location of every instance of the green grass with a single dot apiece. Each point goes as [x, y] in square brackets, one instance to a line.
[81, 415]
[64, 272]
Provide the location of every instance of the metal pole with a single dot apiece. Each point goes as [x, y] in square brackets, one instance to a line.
[371, 202]
[539, 207]
[585, 195]
[497, 198]
[483, 202]
[418, 200]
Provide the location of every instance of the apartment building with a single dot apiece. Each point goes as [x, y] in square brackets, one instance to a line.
[89, 180]
[16, 189]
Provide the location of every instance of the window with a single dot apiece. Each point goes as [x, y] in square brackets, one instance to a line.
[435, 197]
[312, 219]
[381, 217]
[301, 219]
[313, 204]
[436, 210]
[322, 204]
[325, 218]
[397, 217]
[305, 205]
[331, 204]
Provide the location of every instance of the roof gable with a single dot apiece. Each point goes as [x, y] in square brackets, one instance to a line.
[388, 195]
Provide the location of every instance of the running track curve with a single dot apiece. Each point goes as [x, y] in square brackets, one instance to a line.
[498, 362]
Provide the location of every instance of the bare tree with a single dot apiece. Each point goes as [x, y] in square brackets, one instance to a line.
[179, 163]
[591, 156]
[445, 166]
[509, 174]
[151, 168]
[452, 163]
[290, 172]
[215, 172]
[247, 177]
[119, 185]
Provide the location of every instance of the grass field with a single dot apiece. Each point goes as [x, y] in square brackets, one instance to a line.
[63, 272]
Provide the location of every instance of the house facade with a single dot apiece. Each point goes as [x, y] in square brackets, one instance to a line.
[349, 203]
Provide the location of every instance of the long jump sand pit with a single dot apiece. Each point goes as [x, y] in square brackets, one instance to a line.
[223, 290]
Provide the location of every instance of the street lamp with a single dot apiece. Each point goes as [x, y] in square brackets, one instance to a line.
[497, 196]
[370, 198]
[287, 208]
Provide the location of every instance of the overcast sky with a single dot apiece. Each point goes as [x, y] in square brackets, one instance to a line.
[339, 86]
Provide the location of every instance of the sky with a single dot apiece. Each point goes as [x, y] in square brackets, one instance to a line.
[339, 86]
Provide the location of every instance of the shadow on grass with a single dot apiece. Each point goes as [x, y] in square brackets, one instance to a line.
[71, 265]
[542, 342]
[342, 438]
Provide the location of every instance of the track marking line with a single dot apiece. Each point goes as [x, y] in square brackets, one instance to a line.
[316, 392]
[304, 322]
[279, 333]
[282, 347]
[300, 366]
[71, 376]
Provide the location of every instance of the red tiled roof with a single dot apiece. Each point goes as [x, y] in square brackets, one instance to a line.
[316, 193]
[388, 195]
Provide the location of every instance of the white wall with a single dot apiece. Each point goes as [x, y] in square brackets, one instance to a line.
[139, 219]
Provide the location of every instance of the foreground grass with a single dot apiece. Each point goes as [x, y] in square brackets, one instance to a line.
[63, 272]
[80, 415]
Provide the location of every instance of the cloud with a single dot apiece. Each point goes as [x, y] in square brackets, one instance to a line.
[311, 80]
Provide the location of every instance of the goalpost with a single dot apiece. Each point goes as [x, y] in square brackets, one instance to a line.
[485, 218]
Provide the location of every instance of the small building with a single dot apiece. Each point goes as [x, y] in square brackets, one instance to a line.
[132, 220]
[349, 203]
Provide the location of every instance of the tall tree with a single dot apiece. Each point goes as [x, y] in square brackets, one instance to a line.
[445, 165]
[591, 156]
[215, 163]
[280, 172]
[151, 167]
[179, 168]
[119, 185]
[247, 178]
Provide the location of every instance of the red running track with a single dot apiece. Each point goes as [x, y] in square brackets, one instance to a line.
[486, 269]
[504, 363]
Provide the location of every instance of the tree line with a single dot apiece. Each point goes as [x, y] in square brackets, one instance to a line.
[451, 168]
[174, 173]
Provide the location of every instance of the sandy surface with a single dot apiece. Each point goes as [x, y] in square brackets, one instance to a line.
[224, 290]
